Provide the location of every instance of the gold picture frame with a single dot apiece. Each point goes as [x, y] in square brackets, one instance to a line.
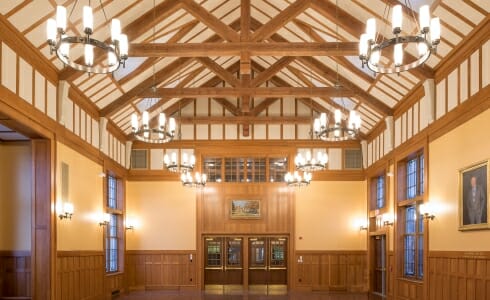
[245, 209]
[473, 197]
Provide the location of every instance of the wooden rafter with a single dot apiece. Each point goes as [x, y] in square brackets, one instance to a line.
[219, 70]
[165, 73]
[253, 92]
[220, 28]
[237, 48]
[228, 106]
[280, 20]
[272, 70]
[263, 106]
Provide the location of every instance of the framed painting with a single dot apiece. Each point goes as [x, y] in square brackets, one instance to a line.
[245, 209]
[473, 197]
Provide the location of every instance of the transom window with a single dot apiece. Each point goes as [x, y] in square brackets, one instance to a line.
[415, 177]
[245, 169]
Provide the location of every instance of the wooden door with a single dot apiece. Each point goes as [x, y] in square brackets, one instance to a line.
[214, 271]
[234, 260]
[378, 267]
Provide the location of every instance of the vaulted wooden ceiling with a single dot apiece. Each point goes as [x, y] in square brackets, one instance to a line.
[255, 51]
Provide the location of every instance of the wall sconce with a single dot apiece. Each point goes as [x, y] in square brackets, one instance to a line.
[363, 227]
[388, 220]
[362, 224]
[67, 211]
[426, 211]
[105, 218]
[129, 224]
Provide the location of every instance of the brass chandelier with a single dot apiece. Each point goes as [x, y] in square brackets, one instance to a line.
[426, 41]
[61, 43]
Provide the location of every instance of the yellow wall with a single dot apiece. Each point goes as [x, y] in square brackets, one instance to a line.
[165, 213]
[327, 215]
[85, 191]
[461, 147]
[15, 196]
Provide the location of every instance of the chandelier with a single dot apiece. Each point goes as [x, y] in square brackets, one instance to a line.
[172, 164]
[426, 41]
[340, 130]
[163, 133]
[296, 180]
[309, 163]
[60, 42]
[198, 181]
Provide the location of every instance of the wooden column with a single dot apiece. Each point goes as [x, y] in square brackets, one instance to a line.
[43, 222]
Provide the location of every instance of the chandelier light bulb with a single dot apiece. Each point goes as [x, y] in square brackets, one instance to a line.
[371, 29]
[375, 56]
[171, 124]
[89, 54]
[185, 158]
[146, 118]
[161, 120]
[65, 49]
[398, 54]
[146, 134]
[115, 30]
[134, 122]
[61, 17]
[308, 155]
[123, 45]
[363, 45]
[424, 18]
[88, 20]
[111, 58]
[323, 119]
[174, 157]
[397, 19]
[337, 116]
[422, 48]
[435, 31]
[51, 31]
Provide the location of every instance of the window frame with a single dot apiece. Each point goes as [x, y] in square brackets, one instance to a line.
[116, 212]
[404, 201]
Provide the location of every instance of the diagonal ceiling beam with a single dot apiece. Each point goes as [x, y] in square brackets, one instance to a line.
[228, 106]
[133, 31]
[162, 75]
[339, 59]
[356, 28]
[280, 20]
[318, 67]
[185, 29]
[272, 70]
[215, 24]
[262, 106]
[219, 70]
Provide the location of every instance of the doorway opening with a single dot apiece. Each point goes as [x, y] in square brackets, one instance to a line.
[378, 267]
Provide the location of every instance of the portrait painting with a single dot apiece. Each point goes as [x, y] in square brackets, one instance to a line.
[473, 204]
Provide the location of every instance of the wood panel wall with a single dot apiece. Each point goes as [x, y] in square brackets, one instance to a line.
[146, 270]
[331, 270]
[276, 209]
[15, 274]
[459, 275]
[80, 275]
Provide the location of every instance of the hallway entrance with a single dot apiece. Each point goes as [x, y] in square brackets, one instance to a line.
[254, 263]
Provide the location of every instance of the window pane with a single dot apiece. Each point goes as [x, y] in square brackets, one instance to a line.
[409, 253]
[411, 178]
[212, 168]
[410, 219]
[277, 169]
[255, 170]
[111, 192]
[380, 192]
[112, 244]
[234, 170]
[421, 175]
[420, 258]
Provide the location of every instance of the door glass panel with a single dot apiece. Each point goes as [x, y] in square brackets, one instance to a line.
[213, 252]
[234, 253]
[278, 252]
[257, 252]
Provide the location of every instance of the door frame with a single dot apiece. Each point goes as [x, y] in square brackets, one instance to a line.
[371, 264]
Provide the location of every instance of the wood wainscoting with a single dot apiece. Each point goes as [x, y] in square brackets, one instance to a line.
[160, 269]
[459, 275]
[80, 275]
[331, 270]
[15, 274]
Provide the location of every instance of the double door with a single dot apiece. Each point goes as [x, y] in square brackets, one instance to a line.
[245, 260]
